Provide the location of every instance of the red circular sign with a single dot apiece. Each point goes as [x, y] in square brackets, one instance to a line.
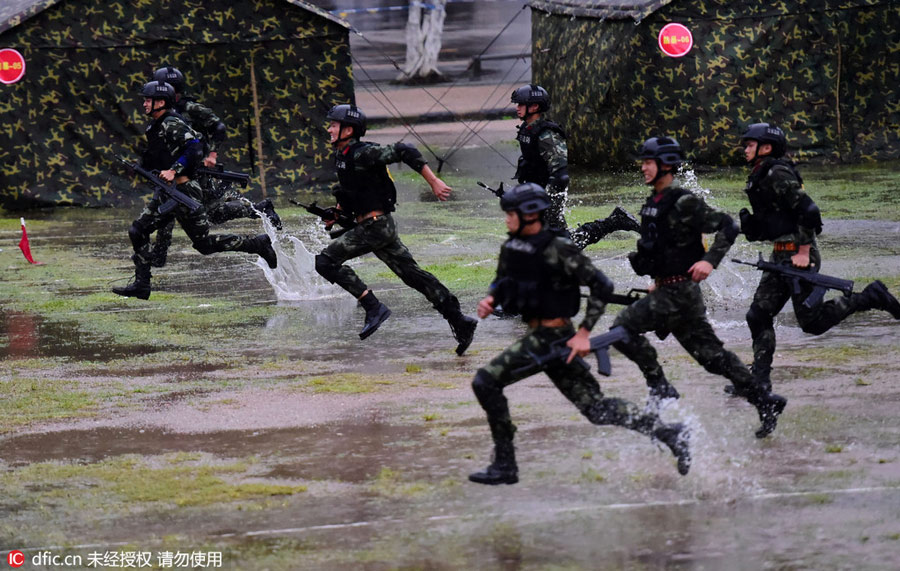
[12, 66]
[15, 558]
[675, 40]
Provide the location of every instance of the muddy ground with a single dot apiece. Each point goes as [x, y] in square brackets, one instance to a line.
[234, 414]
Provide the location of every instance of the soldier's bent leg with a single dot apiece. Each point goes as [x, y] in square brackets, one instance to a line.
[161, 245]
[196, 226]
[768, 300]
[592, 232]
[579, 386]
[503, 468]
[330, 262]
[637, 318]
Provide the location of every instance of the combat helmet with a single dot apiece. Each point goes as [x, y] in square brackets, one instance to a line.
[766, 133]
[159, 90]
[525, 199]
[172, 76]
[529, 94]
[349, 115]
[665, 150]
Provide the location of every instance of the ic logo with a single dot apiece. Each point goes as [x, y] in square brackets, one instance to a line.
[15, 558]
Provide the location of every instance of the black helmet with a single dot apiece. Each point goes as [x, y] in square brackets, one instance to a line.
[170, 75]
[159, 90]
[665, 150]
[525, 198]
[767, 133]
[528, 94]
[349, 115]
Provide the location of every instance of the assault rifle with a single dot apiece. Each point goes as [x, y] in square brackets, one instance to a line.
[220, 173]
[821, 283]
[498, 192]
[632, 296]
[560, 352]
[173, 195]
[328, 214]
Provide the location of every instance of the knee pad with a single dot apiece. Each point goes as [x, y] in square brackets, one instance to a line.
[813, 328]
[484, 386]
[138, 235]
[758, 320]
[326, 267]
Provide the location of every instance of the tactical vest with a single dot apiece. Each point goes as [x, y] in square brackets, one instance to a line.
[530, 287]
[770, 221]
[656, 249]
[157, 155]
[532, 167]
[362, 191]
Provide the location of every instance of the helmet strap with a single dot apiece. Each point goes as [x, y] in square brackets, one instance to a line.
[660, 172]
[523, 223]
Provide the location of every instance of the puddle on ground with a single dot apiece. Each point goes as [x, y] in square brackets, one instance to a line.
[24, 335]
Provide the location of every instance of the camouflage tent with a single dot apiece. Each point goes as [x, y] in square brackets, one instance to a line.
[271, 70]
[827, 71]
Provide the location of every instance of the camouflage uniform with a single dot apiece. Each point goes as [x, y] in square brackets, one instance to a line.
[552, 174]
[676, 305]
[378, 234]
[221, 201]
[789, 217]
[564, 266]
[170, 136]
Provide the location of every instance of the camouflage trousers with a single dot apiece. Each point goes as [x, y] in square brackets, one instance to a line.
[379, 236]
[195, 225]
[228, 205]
[678, 309]
[574, 381]
[772, 294]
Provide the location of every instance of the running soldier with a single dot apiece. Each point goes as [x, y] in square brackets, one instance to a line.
[785, 215]
[175, 150]
[545, 162]
[671, 251]
[367, 194]
[538, 276]
[222, 201]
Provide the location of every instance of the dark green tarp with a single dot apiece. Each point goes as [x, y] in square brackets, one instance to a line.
[827, 71]
[86, 61]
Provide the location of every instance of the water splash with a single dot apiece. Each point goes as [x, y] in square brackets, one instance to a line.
[295, 278]
[691, 182]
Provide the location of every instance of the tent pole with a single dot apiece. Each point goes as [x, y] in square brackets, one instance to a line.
[259, 148]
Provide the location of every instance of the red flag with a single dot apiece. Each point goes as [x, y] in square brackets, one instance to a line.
[24, 245]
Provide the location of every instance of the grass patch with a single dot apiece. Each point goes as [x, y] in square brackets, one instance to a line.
[347, 383]
[131, 479]
[27, 401]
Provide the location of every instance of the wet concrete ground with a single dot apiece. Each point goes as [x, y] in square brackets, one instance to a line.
[219, 371]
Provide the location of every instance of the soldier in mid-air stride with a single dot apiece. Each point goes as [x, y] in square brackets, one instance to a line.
[367, 194]
[538, 277]
[175, 150]
[785, 215]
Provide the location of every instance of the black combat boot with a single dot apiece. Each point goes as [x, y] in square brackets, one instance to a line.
[502, 470]
[376, 314]
[266, 207]
[593, 232]
[262, 246]
[760, 380]
[139, 287]
[463, 328]
[876, 296]
[769, 406]
[677, 438]
[660, 389]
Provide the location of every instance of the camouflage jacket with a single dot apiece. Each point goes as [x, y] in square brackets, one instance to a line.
[691, 216]
[169, 138]
[566, 265]
[553, 150]
[373, 155]
[202, 119]
[782, 183]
